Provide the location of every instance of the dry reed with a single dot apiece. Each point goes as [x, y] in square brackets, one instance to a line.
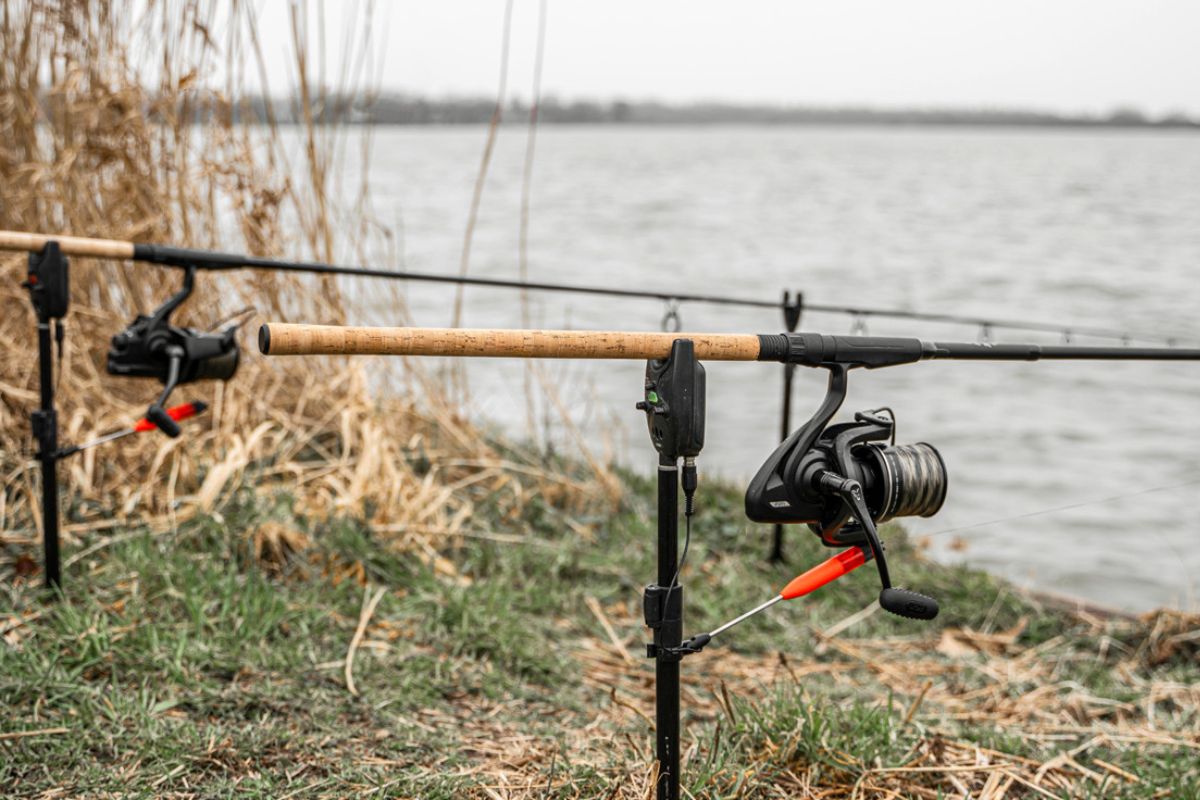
[98, 137]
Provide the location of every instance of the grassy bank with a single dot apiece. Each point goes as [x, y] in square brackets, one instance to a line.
[341, 594]
[208, 662]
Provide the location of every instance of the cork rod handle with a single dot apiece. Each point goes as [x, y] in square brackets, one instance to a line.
[280, 339]
[70, 245]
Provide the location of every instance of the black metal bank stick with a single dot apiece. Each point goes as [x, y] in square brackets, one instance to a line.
[674, 406]
[47, 283]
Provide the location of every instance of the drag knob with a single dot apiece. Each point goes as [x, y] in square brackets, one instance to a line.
[904, 603]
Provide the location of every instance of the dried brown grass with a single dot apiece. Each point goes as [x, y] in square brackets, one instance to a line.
[945, 686]
[95, 102]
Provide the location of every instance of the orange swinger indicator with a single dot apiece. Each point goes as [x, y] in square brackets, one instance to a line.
[826, 572]
[178, 413]
[830, 570]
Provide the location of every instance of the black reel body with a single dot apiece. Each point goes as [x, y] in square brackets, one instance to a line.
[843, 479]
[141, 351]
[151, 347]
[897, 481]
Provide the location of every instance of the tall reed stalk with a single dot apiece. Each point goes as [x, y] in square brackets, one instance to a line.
[99, 136]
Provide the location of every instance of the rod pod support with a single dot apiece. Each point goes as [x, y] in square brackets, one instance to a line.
[674, 404]
[48, 282]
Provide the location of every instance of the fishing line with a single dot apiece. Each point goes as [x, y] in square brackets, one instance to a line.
[1083, 504]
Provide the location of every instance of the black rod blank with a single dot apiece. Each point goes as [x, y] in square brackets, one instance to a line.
[213, 260]
[872, 352]
[973, 351]
[205, 259]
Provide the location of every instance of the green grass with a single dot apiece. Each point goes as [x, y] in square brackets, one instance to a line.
[181, 667]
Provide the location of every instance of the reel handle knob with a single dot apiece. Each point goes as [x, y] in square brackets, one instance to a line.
[905, 603]
[162, 420]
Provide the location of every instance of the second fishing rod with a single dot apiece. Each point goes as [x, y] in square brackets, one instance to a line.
[201, 259]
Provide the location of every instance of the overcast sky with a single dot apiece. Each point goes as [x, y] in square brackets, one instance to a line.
[1072, 55]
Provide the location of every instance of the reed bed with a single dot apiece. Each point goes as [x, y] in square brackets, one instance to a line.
[99, 102]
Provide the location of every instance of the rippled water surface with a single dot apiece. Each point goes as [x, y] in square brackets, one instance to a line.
[1073, 227]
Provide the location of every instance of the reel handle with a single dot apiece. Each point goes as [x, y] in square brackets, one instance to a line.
[162, 420]
[907, 603]
[901, 602]
[156, 413]
[177, 413]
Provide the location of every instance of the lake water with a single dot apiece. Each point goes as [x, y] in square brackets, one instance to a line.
[1097, 228]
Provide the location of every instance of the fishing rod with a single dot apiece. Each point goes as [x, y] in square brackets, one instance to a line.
[130, 357]
[841, 480]
[801, 349]
[171, 256]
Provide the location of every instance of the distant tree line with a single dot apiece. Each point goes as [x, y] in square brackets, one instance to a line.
[394, 109]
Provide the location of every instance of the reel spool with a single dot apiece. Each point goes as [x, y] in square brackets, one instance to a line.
[907, 480]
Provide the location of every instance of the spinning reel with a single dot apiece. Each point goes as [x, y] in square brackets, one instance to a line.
[151, 347]
[843, 479]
